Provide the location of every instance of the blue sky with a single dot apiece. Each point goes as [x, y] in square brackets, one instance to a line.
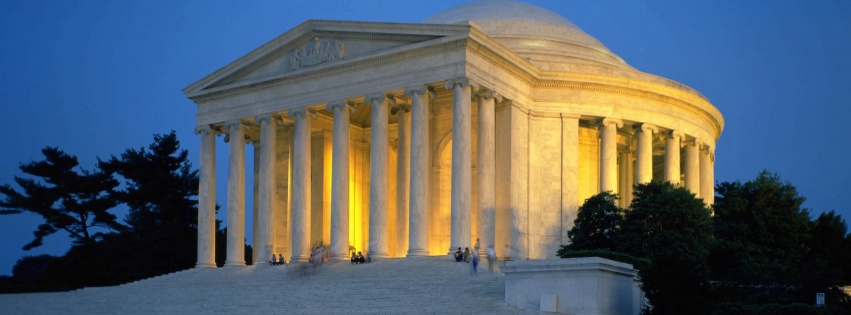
[97, 77]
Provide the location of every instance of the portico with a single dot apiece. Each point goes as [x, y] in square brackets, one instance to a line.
[412, 139]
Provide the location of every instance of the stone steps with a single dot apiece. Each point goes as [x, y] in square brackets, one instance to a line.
[403, 285]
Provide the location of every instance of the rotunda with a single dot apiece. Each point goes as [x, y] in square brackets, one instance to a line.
[490, 121]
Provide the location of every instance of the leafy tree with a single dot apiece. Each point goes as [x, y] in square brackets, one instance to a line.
[76, 202]
[761, 229]
[672, 228]
[596, 225]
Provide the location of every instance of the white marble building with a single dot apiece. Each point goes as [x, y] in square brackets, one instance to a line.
[491, 120]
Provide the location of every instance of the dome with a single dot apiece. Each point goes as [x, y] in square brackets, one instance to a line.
[543, 37]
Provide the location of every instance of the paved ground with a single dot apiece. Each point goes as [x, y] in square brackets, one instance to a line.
[426, 285]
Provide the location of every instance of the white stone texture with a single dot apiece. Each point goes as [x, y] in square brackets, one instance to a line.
[485, 169]
[265, 242]
[692, 167]
[419, 167]
[340, 181]
[236, 195]
[569, 175]
[461, 206]
[608, 154]
[672, 156]
[644, 153]
[403, 171]
[707, 185]
[589, 285]
[300, 236]
[378, 176]
[518, 247]
[207, 198]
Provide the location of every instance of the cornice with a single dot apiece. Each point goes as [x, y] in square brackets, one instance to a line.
[611, 89]
[356, 65]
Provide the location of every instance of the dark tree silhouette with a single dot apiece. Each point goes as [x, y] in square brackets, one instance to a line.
[596, 225]
[69, 200]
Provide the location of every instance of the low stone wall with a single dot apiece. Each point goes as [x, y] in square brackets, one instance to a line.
[589, 285]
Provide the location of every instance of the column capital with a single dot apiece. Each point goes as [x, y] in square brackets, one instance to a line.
[376, 97]
[461, 82]
[674, 134]
[340, 105]
[295, 113]
[485, 93]
[260, 119]
[646, 127]
[233, 124]
[204, 129]
[419, 90]
[399, 108]
[611, 121]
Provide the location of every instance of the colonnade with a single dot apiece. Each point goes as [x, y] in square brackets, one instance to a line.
[412, 174]
[696, 173]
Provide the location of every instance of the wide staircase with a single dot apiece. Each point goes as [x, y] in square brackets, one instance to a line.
[422, 285]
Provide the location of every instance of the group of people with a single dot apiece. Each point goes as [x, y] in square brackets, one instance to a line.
[468, 256]
[359, 258]
[277, 261]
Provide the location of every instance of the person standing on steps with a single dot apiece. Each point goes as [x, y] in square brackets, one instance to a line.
[477, 246]
[491, 257]
[475, 259]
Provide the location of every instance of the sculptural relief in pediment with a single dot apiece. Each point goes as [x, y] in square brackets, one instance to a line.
[317, 52]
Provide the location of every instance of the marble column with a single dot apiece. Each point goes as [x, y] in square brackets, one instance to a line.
[340, 180]
[378, 175]
[486, 169]
[644, 153]
[236, 194]
[707, 187]
[207, 198]
[461, 193]
[608, 154]
[418, 198]
[403, 162]
[301, 186]
[625, 180]
[692, 167]
[672, 156]
[264, 244]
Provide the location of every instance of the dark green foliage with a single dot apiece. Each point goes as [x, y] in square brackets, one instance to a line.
[596, 225]
[771, 309]
[76, 202]
[160, 189]
[669, 226]
[762, 231]
[637, 263]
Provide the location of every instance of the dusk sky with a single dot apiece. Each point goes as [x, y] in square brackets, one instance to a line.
[97, 77]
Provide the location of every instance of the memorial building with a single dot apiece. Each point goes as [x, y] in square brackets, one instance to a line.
[492, 120]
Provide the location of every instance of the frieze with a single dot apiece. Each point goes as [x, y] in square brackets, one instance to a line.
[317, 52]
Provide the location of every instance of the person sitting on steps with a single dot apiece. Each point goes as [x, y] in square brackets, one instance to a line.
[459, 256]
[354, 258]
[360, 258]
[467, 255]
[281, 260]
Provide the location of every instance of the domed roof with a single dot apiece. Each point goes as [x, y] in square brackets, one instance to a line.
[543, 37]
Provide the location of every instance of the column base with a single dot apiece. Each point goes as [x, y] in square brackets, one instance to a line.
[417, 253]
[235, 263]
[205, 265]
[339, 257]
[298, 259]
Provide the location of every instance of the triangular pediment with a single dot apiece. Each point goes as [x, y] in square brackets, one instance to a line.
[319, 44]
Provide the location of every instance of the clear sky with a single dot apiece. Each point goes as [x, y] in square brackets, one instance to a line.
[97, 77]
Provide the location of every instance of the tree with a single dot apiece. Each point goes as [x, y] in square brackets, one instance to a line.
[596, 225]
[672, 228]
[77, 202]
[761, 229]
[160, 189]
